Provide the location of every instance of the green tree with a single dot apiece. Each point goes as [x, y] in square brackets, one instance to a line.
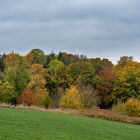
[56, 78]
[124, 61]
[37, 56]
[7, 93]
[83, 72]
[16, 72]
[67, 58]
[100, 64]
[128, 82]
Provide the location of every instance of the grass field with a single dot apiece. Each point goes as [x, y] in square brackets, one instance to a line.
[36, 125]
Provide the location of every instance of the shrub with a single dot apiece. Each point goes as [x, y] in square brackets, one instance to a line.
[119, 107]
[7, 93]
[132, 107]
[71, 99]
[37, 97]
[87, 97]
[46, 100]
[26, 97]
[56, 97]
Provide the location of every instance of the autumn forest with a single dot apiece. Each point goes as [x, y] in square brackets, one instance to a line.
[70, 81]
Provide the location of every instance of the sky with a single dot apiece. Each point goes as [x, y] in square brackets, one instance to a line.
[96, 28]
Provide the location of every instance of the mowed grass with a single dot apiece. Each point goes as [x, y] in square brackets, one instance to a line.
[36, 125]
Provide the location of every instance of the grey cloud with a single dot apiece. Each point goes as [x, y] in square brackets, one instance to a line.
[102, 28]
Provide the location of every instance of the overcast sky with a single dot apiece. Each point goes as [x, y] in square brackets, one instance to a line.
[97, 28]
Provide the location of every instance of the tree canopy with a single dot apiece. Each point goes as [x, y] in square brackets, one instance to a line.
[58, 79]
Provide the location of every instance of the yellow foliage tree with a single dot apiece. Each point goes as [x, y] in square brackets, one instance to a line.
[38, 76]
[128, 82]
[71, 99]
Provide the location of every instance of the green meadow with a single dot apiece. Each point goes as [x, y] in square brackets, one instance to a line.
[17, 124]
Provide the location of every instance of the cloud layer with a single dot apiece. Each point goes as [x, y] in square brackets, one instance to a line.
[96, 28]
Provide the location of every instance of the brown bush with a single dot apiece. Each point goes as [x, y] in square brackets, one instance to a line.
[26, 97]
[37, 97]
[87, 95]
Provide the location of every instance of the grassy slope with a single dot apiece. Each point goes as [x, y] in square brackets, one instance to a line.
[34, 125]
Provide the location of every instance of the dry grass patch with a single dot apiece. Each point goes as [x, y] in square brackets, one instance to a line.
[110, 115]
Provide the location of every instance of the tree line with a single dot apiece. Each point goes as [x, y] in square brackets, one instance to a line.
[67, 80]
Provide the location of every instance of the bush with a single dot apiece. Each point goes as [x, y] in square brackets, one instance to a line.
[26, 97]
[71, 99]
[7, 93]
[56, 97]
[46, 101]
[37, 97]
[87, 97]
[119, 107]
[132, 107]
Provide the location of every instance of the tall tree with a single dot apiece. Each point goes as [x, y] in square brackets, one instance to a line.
[37, 76]
[37, 56]
[105, 87]
[2, 57]
[83, 72]
[56, 78]
[124, 61]
[128, 82]
[16, 72]
[67, 58]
